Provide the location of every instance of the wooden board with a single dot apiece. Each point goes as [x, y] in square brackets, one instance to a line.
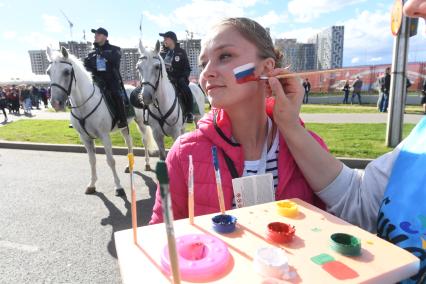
[380, 261]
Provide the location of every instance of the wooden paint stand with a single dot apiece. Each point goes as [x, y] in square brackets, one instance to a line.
[379, 262]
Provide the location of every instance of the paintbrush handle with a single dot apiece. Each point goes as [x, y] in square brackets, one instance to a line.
[191, 208]
[134, 217]
[171, 241]
[131, 158]
[163, 178]
[191, 191]
[291, 75]
[220, 196]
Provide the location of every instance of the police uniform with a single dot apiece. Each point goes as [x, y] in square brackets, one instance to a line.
[104, 64]
[178, 69]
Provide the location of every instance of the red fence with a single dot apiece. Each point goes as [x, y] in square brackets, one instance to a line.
[334, 81]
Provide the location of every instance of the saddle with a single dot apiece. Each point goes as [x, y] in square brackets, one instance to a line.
[183, 101]
[107, 95]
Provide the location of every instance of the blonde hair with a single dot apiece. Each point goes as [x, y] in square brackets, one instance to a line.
[257, 35]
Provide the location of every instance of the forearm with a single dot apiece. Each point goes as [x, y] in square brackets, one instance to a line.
[318, 166]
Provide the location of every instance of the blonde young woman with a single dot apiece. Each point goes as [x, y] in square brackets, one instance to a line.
[246, 130]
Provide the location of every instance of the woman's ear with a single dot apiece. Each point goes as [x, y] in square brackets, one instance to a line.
[268, 65]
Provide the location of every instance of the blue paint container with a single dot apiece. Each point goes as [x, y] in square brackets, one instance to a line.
[224, 224]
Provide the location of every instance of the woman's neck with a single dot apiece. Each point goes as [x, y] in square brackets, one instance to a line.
[249, 128]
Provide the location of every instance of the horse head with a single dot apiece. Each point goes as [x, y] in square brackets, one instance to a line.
[150, 68]
[61, 75]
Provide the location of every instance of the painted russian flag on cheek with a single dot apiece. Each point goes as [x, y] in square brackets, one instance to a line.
[245, 73]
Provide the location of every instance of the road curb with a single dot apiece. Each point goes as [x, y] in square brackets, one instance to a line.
[69, 148]
[350, 162]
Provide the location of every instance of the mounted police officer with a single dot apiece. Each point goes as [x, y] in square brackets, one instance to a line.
[104, 64]
[178, 69]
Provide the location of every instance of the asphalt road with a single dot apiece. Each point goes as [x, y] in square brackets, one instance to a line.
[50, 231]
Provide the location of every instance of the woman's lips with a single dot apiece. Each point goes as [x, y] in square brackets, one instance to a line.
[213, 87]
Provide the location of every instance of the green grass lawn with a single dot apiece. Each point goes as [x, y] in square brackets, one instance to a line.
[330, 108]
[344, 140]
[355, 139]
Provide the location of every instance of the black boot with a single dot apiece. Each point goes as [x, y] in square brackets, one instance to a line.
[189, 118]
[121, 114]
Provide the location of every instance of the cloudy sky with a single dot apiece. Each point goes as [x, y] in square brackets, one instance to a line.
[26, 25]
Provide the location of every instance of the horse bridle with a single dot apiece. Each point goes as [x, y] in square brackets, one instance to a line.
[162, 119]
[159, 76]
[68, 92]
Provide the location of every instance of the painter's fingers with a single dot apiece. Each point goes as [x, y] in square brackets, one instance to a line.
[290, 84]
[286, 107]
[277, 90]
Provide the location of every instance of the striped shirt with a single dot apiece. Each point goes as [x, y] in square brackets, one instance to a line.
[250, 167]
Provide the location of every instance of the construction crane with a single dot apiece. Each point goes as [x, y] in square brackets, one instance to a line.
[190, 34]
[69, 22]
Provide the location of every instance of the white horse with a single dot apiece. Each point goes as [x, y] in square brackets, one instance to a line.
[163, 111]
[90, 115]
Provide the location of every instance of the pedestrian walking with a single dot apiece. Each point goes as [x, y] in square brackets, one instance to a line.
[357, 85]
[346, 89]
[307, 86]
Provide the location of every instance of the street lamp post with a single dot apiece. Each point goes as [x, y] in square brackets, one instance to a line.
[398, 84]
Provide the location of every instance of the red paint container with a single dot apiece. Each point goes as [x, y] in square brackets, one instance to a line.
[280, 232]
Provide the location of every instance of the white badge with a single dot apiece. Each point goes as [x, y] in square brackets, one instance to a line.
[177, 58]
[253, 190]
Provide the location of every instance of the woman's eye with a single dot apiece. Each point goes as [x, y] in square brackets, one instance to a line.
[225, 56]
[202, 65]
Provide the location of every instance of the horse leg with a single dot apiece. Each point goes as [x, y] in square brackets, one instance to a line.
[159, 138]
[125, 132]
[89, 144]
[145, 132]
[119, 191]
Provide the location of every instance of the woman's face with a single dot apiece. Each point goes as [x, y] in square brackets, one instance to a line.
[225, 50]
[415, 8]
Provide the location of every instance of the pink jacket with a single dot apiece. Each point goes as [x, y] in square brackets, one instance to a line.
[215, 129]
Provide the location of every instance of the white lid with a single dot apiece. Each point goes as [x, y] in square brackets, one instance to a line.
[271, 262]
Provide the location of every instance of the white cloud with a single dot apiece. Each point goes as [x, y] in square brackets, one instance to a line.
[245, 3]
[159, 20]
[272, 18]
[126, 42]
[355, 60]
[52, 24]
[307, 10]
[37, 40]
[199, 15]
[1, 4]
[302, 35]
[18, 65]
[369, 31]
[373, 59]
[9, 35]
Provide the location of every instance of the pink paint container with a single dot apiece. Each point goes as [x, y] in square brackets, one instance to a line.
[201, 257]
